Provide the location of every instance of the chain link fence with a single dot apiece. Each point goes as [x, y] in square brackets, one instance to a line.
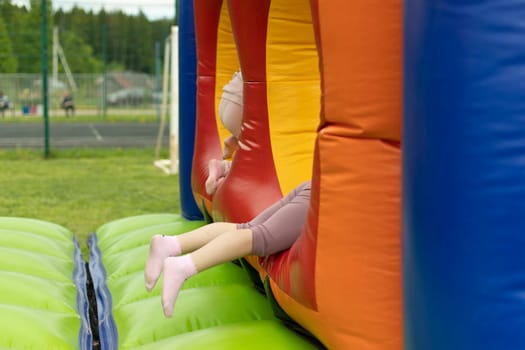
[124, 93]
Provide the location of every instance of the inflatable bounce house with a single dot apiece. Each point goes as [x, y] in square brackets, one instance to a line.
[332, 89]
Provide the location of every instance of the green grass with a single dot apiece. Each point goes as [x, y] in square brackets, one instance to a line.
[82, 118]
[82, 189]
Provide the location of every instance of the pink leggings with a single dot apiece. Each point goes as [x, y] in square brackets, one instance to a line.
[277, 227]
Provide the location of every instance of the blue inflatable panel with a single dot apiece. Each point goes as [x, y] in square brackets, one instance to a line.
[464, 175]
[187, 107]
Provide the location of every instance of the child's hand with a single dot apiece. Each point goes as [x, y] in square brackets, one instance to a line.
[230, 146]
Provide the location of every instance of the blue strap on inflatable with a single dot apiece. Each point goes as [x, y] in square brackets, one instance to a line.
[85, 336]
[106, 324]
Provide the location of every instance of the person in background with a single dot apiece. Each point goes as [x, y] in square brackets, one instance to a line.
[5, 104]
[67, 104]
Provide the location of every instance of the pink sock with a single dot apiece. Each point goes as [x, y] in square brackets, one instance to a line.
[160, 248]
[176, 271]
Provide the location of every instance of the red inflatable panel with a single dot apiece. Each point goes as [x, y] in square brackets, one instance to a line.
[252, 184]
[207, 143]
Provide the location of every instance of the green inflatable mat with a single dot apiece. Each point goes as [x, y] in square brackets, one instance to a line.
[43, 299]
[216, 309]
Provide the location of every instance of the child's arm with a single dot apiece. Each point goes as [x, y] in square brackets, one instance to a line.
[230, 146]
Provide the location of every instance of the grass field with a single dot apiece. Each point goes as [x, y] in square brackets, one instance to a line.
[83, 189]
[140, 116]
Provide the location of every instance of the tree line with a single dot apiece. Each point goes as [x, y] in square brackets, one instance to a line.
[89, 40]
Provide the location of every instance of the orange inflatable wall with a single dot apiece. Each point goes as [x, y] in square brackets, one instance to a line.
[341, 280]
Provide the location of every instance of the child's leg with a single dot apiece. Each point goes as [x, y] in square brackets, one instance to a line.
[271, 231]
[162, 247]
[276, 228]
[280, 229]
[226, 247]
[229, 246]
[268, 212]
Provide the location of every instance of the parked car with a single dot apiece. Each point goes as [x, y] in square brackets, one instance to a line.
[156, 97]
[131, 96]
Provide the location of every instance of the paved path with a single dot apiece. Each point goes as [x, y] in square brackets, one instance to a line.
[65, 135]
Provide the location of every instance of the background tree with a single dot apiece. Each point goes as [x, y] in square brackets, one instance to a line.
[14, 18]
[130, 38]
[79, 54]
[28, 39]
[142, 50]
[8, 62]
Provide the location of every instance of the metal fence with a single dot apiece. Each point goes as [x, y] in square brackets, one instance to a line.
[93, 94]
